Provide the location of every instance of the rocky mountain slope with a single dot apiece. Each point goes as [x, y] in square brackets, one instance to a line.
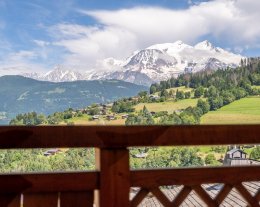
[155, 63]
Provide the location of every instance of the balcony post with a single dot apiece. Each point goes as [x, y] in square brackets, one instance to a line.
[113, 164]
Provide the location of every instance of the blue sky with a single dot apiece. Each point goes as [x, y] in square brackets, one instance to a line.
[36, 35]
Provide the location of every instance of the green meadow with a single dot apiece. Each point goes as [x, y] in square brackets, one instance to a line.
[169, 106]
[243, 111]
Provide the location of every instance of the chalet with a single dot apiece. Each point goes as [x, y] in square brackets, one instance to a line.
[141, 155]
[51, 152]
[125, 116]
[110, 117]
[95, 117]
[238, 157]
[154, 97]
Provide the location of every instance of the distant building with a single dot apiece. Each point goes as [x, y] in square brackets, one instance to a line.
[95, 117]
[125, 116]
[110, 117]
[238, 157]
[154, 97]
[51, 152]
[141, 155]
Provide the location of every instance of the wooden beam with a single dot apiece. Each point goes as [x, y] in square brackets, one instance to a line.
[194, 176]
[10, 200]
[125, 136]
[77, 199]
[114, 177]
[142, 193]
[40, 200]
[181, 196]
[49, 182]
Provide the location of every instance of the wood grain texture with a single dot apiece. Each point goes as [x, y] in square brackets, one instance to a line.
[114, 178]
[40, 200]
[77, 199]
[10, 200]
[161, 197]
[247, 196]
[139, 197]
[204, 196]
[223, 194]
[49, 182]
[181, 196]
[194, 176]
[125, 136]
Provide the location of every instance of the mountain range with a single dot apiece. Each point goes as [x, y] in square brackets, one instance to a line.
[152, 64]
[20, 95]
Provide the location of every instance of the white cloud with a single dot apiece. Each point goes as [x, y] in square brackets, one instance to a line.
[20, 62]
[118, 33]
[87, 45]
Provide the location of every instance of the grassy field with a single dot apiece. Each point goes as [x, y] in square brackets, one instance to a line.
[169, 106]
[85, 120]
[181, 88]
[244, 111]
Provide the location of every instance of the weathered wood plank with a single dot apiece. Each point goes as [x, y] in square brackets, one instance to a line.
[204, 196]
[114, 177]
[139, 197]
[257, 195]
[40, 200]
[122, 136]
[77, 199]
[246, 195]
[194, 176]
[10, 200]
[161, 197]
[49, 182]
[223, 194]
[181, 196]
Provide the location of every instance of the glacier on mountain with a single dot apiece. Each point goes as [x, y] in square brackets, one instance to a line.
[152, 64]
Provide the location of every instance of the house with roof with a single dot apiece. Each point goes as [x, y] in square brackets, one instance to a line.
[237, 156]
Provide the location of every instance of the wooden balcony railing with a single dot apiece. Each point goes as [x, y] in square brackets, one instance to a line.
[113, 178]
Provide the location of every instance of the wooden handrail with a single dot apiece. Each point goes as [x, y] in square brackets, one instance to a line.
[49, 182]
[194, 176]
[121, 136]
[113, 177]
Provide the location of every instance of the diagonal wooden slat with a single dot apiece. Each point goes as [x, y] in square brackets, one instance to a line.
[181, 196]
[257, 195]
[204, 196]
[10, 200]
[40, 200]
[77, 199]
[161, 197]
[246, 195]
[139, 197]
[223, 194]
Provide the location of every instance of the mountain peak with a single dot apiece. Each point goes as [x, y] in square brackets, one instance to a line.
[178, 42]
[204, 45]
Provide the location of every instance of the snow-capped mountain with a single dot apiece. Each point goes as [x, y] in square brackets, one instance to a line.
[162, 61]
[59, 74]
[152, 64]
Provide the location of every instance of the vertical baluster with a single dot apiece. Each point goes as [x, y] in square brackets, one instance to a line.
[40, 200]
[77, 199]
[114, 177]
